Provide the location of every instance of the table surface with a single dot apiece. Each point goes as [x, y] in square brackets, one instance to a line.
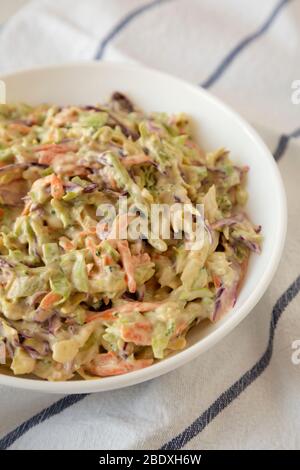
[9, 7]
[243, 393]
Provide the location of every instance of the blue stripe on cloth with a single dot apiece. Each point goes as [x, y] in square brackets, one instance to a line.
[240, 385]
[39, 418]
[45, 414]
[218, 72]
[284, 142]
[123, 23]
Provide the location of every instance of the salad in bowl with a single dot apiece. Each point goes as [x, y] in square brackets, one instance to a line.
[87, 289]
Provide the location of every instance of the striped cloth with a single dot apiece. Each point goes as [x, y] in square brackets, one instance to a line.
[244, 393]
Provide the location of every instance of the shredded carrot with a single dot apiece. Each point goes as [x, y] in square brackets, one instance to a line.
[217, 280]
[139, 333]
[48, 152]
[89, 268]
[107, 260]
[57, 188]
[126, 258]
[136, 160]
[107, 364]
[113, 184]
[106, 315]
[66, 244]
[49, 300]
[90, 231]
[47, 157]
[26, 209]
[59, 148]
[21, 128]
[127, 307]
[180, 328]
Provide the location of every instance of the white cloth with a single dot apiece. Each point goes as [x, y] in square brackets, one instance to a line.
[189, 38]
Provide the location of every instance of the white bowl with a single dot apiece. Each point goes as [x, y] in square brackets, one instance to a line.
[215, 125]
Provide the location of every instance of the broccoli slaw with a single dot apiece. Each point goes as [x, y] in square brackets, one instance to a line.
[77, 300]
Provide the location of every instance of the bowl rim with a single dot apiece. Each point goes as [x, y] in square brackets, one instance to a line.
[190, 353]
